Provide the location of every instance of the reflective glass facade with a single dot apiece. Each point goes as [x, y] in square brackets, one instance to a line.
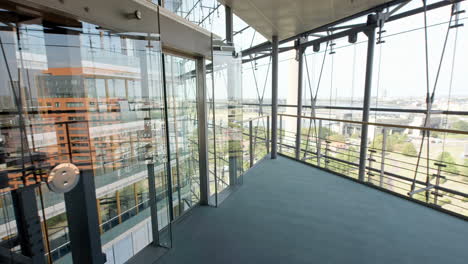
[78, 94]
[152, 131]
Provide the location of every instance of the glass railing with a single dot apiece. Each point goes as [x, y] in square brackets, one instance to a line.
[424, 164]
[119, 224]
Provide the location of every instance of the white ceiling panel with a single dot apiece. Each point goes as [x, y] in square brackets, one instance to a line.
[287, 18]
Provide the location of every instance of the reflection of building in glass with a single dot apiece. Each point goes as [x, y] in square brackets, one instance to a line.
[96, 101]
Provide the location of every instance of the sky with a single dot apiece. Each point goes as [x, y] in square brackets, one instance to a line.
[399, 63]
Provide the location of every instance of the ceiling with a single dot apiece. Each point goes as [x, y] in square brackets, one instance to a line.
[177, 34]
[288, 18]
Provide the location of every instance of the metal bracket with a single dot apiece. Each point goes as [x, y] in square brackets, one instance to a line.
[381, 18]
[63, 178]
[421, 190]
[332, 51]
[297, 45]
[457, 12]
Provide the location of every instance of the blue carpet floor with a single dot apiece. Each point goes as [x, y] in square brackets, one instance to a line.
[288, 212]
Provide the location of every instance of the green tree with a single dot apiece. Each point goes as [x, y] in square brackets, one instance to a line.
[460, 125]
[325, 132]
[446, 158]
[436, 134]
[393, 141]
[409, 149]
[347, 155]
[377, 143]
[337, 137]
[465, 170]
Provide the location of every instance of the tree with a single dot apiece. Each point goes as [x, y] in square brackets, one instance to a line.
[436, 134]
[460, 125]
[393, 141]
[465, 170]
[377, 143]
[409, 149]
[325, 132]
[349, 156]
[337, 137]
[446, 158]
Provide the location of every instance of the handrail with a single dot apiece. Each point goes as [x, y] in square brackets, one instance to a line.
[102, 224]
[122, 213]
[378, 170]
[383, 170]
[254, 118]
[442, 130]
[374, 109]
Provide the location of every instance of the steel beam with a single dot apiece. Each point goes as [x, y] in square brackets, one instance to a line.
[274, 97]
[251, 151]
[319, 143]
[83, 222]
[370, 32]
[377, 109]
[202, 131]
[382, 161]
[265, 46]
[268, 134]
[153, 201]
[28, 224]
[168, 143]
[300, 53]
[229, 25]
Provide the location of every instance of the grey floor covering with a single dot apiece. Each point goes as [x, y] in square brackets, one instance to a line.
[288, 212]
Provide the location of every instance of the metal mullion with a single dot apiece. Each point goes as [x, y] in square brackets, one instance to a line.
[274, 95]
[367, 95]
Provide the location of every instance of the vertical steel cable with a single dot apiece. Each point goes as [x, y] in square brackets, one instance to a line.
[313, 98]
[429, 99]
[450, 84]
[413, 185]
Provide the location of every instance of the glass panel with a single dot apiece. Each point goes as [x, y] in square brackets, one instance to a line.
[11, 143]
[183, 127]
[76, 93]
[225, 126]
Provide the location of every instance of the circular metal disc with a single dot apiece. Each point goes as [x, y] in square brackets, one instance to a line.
[63, 178]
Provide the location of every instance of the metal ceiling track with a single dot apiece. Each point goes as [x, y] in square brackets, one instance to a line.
[349, 31]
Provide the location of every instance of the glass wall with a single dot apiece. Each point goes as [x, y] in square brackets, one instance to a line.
[75, 93]
[183, 130]
[401, 157]
[224, 95]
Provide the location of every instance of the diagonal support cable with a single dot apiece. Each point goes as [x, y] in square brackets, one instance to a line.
[313, 98]
[429, 102]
